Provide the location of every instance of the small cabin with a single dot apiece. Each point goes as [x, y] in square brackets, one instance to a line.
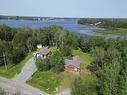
[72, 65]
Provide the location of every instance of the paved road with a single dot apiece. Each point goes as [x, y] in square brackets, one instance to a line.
[27, 71]
[18, 85]
[13, 86]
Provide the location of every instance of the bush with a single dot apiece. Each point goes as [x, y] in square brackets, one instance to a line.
[54, 62]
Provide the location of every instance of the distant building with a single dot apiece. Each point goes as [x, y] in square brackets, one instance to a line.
[91, 24]
[43, 53]
[97, 23]
[39, 46]
[39, 19]
[72, 65]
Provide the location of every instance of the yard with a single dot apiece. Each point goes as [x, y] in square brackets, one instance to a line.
[14, 69]
[46, 81]
[50, 82]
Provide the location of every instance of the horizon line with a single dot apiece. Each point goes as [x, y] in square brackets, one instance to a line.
[63, 17]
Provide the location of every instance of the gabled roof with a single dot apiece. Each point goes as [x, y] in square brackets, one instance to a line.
[75, 61]
[44, 51]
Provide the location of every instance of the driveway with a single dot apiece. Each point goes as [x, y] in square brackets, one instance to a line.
[27, 71]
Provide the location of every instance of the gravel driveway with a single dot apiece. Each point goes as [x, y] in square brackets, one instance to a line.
[27, 71]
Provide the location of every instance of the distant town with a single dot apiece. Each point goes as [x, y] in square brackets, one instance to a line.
[32, 18]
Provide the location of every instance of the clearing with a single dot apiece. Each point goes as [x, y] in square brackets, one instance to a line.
[51, 82]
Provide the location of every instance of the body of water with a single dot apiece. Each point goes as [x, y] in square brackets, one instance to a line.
[71, 25]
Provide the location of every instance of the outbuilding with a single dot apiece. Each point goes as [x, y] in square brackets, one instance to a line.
[72, 65]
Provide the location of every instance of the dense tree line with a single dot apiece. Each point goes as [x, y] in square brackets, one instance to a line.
[109, 66]
[15, 43]
[105, 23]
[84, 86]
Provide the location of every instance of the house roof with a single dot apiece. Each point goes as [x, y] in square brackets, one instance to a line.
[75, 61]
[44, 51]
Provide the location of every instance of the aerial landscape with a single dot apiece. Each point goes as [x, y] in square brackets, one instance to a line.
[63, 47]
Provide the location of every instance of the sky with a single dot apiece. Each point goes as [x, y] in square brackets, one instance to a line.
[65, 8]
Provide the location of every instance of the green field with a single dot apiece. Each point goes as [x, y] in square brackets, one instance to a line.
[48, 81]
[85, 57]
[118, 31]
[14, 69]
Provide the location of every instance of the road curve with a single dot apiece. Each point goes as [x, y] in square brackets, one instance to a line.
[13, 86]
[18, 85]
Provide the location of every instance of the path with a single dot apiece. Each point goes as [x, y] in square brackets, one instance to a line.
[27, 71]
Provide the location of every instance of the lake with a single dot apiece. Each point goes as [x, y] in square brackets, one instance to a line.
[71, 25]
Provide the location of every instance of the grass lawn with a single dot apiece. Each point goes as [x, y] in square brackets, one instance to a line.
[86, 59]
[118, 31]
[14, 69]
[48, 81]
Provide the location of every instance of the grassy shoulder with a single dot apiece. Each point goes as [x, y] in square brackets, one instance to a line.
[51, 82]
[118, 31]
[14, 69]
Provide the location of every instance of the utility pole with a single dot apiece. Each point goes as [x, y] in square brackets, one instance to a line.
[5, 62]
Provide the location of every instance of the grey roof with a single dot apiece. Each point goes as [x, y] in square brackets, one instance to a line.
[44, 51]
[75, 61]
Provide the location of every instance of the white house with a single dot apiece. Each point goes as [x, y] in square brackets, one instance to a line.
[43, 53]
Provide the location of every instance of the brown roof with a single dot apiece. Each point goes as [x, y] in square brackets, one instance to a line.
[44, 51]
[75, 61]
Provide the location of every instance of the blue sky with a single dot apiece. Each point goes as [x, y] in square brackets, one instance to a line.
[65, 8]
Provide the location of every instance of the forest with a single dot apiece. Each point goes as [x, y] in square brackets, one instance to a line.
[105, 22]
[109, 64]
[15, 43]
